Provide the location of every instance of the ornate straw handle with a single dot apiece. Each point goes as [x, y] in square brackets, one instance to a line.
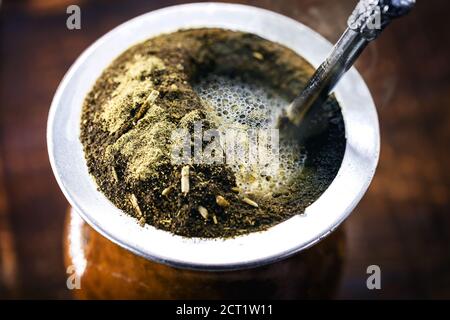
[370, 17]
[365, 24]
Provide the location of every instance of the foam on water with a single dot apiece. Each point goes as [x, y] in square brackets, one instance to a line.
[238, 103]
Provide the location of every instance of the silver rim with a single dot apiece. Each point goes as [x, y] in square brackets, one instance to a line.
[280, 241]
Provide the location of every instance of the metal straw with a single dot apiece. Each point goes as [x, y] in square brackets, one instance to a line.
[368, 20]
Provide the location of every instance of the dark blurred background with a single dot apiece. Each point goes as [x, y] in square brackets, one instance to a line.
[402, 224]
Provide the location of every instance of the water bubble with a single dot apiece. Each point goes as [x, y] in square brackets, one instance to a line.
[252, 106]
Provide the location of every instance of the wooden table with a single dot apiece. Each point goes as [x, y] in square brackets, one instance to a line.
[402, 224]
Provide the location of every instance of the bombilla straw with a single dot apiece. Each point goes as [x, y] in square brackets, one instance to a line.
[368, 20]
